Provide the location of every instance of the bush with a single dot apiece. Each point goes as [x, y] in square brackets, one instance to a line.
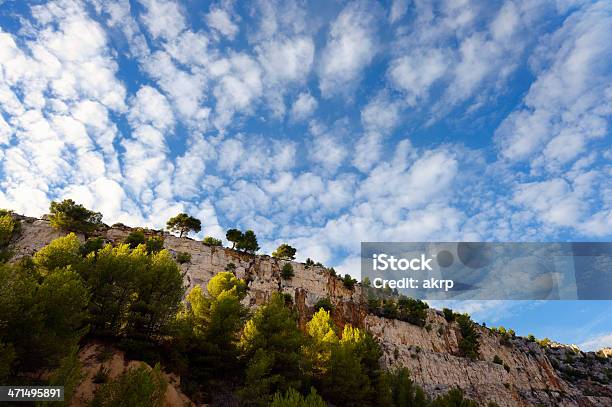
[348, 281]
[497, 360]
[324, 303]
[211, 241]
[412, 310]
[294, 399]
[284, 252]
[531, 338]
[287, 271]
[135, 238]
[469, 344]
[9, 227]
[183, 257]
[137, 387]
[309, 263]
[155, 244]
[68, 374]
[73, 217]
[449, 315]
[92, 245]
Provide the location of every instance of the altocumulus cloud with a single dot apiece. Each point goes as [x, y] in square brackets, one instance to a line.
[320, 128]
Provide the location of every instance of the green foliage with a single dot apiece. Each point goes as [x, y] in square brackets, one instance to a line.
[401, 390]
[234, 236]
[155, 244]
[68, 375]
[353, 370]
[271, 342]
[138, 387]
[324, 303]
[248, 242]
[469, 344]
[449, 315]
[92, 245]
[498, 360]
[287, 271]
[348, 281]
[183, 257]
[183, 224]
[544, 342]
[321, 340]
[60, 253]
[9, 227]
[133, 292]
[309, 263]
[285, 252]
[70, 216]
[454, 398]
[41, 318]
[292, 398]
[531, 338]
[212, 323]
[211, 241]
[135, 238]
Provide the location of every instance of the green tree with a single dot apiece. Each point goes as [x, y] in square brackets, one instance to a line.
[234, 236]
[213, 323]
[70, 216]
[324, 303]
[9, 227]
[321, 340]
[454, 398]
[68, 375]
[248, 242]
[469, 344]
[211, 241]
[133, 292]
[292, 398]
[135, 238]
[399, 390]
[183, 224]
[40, 318]
[287, 271]
[92, 245]
[137, 387]
[155, 244]
[284, 252]
[157, 295]
[60, 253]
[271, 342]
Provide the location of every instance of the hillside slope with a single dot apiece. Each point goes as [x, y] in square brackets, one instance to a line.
[533, 376]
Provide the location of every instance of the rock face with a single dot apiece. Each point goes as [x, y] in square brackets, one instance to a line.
[529, 374]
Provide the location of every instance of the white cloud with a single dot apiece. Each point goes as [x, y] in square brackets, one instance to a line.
[398, 9]
[303, 107]
[417, 72]
[151, 107]
[597, 342]
[287, 60]
[220, 20]
[351, 46]
[570, 99]
[163, 18]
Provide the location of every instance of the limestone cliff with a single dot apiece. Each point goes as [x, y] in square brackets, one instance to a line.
[532, 375]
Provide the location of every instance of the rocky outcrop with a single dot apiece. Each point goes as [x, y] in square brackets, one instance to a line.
[529, 374]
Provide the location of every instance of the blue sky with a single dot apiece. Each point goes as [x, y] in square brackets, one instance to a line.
[321, 124]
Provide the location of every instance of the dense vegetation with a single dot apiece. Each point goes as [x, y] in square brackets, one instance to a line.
[129, 295]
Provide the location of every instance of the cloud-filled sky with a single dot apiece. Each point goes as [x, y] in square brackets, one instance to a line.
[320, 124]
